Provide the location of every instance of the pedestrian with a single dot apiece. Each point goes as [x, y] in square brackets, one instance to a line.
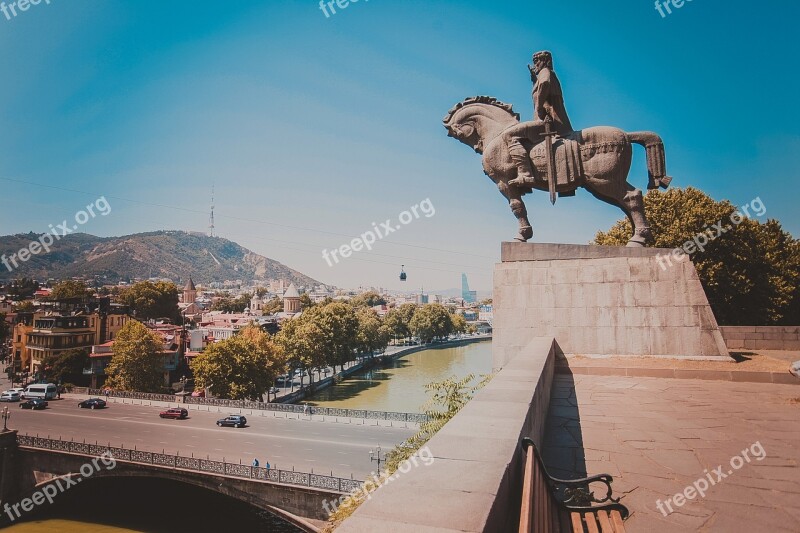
[267, 466]
[255, 463]
[305, 408]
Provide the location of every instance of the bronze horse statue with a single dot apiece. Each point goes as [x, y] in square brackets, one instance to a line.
[597, 159]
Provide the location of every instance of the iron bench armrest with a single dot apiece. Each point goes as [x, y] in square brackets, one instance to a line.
[575, 494]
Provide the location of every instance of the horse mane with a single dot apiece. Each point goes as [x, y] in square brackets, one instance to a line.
[479, 100]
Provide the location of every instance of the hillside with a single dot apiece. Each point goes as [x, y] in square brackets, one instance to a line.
[168, 254]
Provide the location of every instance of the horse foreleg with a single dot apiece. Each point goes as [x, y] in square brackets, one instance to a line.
[518, 208]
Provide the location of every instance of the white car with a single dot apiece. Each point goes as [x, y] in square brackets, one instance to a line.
[18, 390]
[9, 396]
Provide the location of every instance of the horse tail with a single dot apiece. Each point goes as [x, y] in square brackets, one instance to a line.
[656, 160]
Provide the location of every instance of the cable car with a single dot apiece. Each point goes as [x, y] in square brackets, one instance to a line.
[402, 273]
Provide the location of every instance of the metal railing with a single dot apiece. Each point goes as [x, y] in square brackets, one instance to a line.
[196, 464]
[414, 418]
[133, 395]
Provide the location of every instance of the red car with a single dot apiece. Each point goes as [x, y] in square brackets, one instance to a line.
[174, 412]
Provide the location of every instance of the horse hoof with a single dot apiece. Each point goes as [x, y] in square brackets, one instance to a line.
[524, 234]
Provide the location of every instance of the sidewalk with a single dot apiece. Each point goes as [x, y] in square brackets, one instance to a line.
[246, 412]
[659, 436]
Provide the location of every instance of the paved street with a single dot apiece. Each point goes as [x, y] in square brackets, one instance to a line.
[285, 443]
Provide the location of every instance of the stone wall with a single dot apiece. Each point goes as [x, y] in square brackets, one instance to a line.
[474, 483]
[761, 337]
[601, 301]
[9, 471]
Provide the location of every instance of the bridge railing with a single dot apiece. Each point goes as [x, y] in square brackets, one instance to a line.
[197, 464]
[131, 395]
[311, 410]
[415, 418]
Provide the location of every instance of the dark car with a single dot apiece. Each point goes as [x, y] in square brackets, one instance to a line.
[35, 403]
[174, 412]
[92, 403]
[236, 421]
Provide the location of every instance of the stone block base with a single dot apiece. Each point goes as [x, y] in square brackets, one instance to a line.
[601, 300]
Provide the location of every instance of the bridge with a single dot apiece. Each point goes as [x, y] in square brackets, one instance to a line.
[313, 457]
[31, 463]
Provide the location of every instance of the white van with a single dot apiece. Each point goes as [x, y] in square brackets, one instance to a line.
[44, 391]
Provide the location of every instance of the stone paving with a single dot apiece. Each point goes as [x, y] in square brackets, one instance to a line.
[659, 436]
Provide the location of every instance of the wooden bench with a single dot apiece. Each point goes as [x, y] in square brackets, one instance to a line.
[552, 505]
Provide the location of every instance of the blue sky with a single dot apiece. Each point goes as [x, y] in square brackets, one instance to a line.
[313, 128]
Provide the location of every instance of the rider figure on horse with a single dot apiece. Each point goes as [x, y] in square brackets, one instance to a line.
[548, 105]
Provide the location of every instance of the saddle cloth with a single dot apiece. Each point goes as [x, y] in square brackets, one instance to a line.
[567, 154]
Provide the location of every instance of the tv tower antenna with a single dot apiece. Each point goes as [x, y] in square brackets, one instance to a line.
[211, 218]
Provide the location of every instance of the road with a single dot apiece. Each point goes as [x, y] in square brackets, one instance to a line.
[285, 443]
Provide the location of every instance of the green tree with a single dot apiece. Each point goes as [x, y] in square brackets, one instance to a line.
[242, 367]
[338, 324]
[232, 305]
[398, 319]
[275, 305]
[67, 289]
[372, 335]
[151, 300]
[459, 323]
[431, 321]
[23, 288]
[137, 363]
[750, 273]
[299, 338]
[5, 329]
[24, 307]
[67, 367]
[367, 299]
[306, 302]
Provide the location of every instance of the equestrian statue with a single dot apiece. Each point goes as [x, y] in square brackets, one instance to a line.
[548, 155]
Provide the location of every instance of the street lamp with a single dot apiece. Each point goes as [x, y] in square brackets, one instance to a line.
[183, 384]
[376, 456]
[6, 416]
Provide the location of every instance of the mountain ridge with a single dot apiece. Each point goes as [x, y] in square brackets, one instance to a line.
[172, 254]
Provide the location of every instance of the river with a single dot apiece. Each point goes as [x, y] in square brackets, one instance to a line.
[400, 385]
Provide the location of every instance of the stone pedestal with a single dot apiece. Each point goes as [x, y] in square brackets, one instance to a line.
[601, 301]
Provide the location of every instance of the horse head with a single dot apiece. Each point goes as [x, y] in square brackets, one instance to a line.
[478, 120]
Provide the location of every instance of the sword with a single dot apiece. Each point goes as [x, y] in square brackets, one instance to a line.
[551, 164]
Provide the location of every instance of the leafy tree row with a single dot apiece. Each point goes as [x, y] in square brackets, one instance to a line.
[246, 365]
[427, 322]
